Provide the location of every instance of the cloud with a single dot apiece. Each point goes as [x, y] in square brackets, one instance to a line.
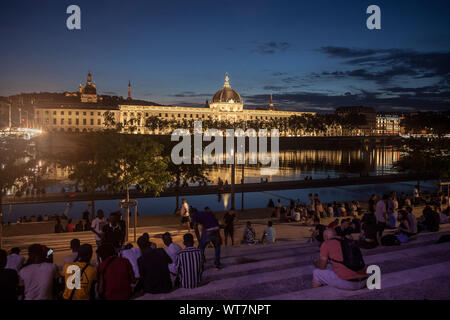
[415, 98]
[275, 88]
[271, 47]
[343, 52]
[381, 77]
[291, 79]
[278, 74]
[385, 64]
[191, 94]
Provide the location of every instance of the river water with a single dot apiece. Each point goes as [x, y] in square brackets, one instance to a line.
[294, 165]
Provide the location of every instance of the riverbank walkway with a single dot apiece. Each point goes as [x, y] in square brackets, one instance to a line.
[214, 189]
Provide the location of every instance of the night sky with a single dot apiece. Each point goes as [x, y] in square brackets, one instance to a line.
[312, 55]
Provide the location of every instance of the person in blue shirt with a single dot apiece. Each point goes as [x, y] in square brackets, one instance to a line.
[210, 233]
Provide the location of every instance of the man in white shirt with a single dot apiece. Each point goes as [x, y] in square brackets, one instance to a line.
[172, 251]
[381, 215]
[97, 226]
[39, 276]
[185, 217]
[133, 254]
[416, 195]
[15, 261]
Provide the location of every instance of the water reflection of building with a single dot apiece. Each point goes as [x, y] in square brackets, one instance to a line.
[294, 164]
[297, 164]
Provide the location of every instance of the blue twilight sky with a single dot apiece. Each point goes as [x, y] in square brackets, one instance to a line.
[312, 55]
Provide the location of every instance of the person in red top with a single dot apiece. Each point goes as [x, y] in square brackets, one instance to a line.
[332, 273]
[333, 224]
[115, 274]
[70, 226]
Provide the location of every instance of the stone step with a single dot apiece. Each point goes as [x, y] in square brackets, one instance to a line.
[401, 279]
[251, 285]
[389, 263]
[262, 253]
[292, 282]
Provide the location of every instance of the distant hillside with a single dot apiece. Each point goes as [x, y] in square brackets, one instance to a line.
[61, 98]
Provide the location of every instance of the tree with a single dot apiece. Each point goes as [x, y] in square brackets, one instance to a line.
[132, 160]
[153, 123]
[425, 157]
[17, 164]
[188, 173]
[352, 121]
[431, 122]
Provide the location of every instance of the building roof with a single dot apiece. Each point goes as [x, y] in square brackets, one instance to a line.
[79, 105]
[89, 89]
[357, 109]
[226, 94]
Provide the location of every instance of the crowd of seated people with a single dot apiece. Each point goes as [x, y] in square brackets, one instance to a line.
[121, 271]
[113, 276]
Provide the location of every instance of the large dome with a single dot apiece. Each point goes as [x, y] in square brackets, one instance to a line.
[226, 94]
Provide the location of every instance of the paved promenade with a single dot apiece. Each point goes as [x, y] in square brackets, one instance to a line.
[213, 189]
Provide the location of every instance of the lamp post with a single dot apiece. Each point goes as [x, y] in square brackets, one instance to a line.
[9, 116]
[233, 173]
[242, 186]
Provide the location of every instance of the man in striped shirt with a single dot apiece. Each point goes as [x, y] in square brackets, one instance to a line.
[189, 263]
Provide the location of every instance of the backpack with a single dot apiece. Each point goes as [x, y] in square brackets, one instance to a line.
[352, 255]
[390, 240]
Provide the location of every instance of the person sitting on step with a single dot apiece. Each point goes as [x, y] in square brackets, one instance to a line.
[249, 234]
[269, 234]
[330, 269]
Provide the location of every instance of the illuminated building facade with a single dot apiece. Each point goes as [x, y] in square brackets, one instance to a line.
[226, 105]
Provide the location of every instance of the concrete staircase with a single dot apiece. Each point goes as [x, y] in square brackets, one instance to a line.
[419, 269]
